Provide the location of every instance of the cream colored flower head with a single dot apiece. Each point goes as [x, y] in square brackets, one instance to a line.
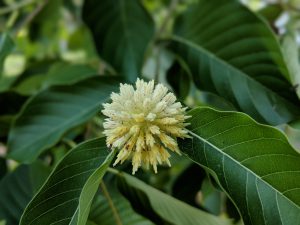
[143, 123]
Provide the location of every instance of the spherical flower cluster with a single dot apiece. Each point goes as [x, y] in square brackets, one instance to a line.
[143, 123]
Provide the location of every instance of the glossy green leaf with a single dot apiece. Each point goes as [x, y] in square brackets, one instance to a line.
[17, 188]
[254, 163]
[123, 43]
[67, 195]
[160, 207]
[6, 45]
[102, 212]
[232, 52]
[48, 115]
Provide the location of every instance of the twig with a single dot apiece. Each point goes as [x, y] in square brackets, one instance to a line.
[157, 68]
[292, 7]
[111, 204]
[169, 15]
[88, 131]
[69, 142]
[12, 19]
[112, 170]
[14, 7]
[161, 31]
[288, 6]
[33, 14]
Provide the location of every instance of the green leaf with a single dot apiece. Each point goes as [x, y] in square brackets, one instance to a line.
[160, 207]
[232, 52]
[254, 163]
[17, 188]
[67, 195]
[102, 212]
[64, 73]
[58, 74]
[291, 55]
[6, 45]
[30, 85]
[121, 30]
[48, 115]
[211, 198]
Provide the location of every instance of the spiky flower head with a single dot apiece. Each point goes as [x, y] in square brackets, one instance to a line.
[143, 123]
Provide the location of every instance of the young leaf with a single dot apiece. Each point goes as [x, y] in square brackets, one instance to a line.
[232, 52]
[122, 30]
[254, 163]
[66, 196]
[48, 115]
[162, 208]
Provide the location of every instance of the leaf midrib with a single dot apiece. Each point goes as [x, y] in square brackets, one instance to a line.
[245, 168]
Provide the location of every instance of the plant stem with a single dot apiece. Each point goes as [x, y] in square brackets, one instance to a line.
[165, 22]
[111, 204]
[33, 14]
[69, 142]
[161, 31]
[12, 19]
[112, 170]
[157, 68]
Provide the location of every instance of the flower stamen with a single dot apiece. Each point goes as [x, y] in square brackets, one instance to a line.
[143, 123]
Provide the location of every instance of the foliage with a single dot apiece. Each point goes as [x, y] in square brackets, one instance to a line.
[234, 64]
[245, 158]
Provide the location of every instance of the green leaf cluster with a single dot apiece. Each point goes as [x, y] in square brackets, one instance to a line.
[233, 65]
